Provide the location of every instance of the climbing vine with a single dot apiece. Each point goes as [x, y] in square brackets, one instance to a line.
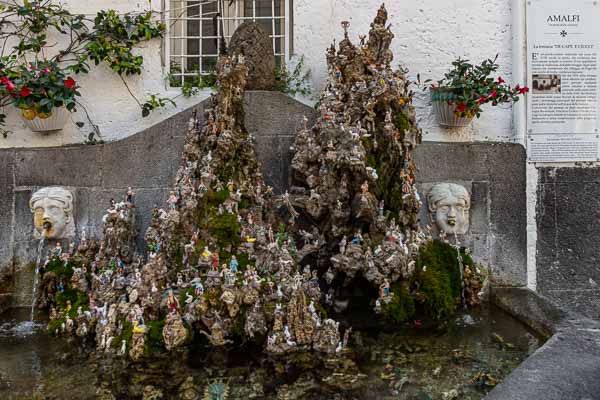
[37, 76]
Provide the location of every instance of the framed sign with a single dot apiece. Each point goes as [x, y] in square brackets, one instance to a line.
[563, 44]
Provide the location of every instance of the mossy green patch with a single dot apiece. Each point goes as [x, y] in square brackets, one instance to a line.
[402, 306]
[225, 229]
[63, 271]
[216, 198]
[54, 326]
[183, 294]
[244, 203]
[76, 298]
[437, 278]
[401, 121]
[126, 335]
[237, 330]
[154, 336]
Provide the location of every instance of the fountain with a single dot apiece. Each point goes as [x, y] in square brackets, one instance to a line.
[329, 290]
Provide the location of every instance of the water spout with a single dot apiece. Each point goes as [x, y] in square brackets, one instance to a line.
[47, 225]
[37, 270]
[461, 269]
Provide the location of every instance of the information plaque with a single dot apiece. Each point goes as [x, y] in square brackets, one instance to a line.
[563, 42]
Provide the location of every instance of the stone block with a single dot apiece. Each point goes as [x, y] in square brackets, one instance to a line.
[480, 248]
[6, 198]
[440, 162]
[577, 174]
[65, 166]
[508, 208]
[23, 229]
[480, 216]
[585, 302]
[508, 259]
[252, 41]
[147, 160]
[145, 201]
[506, 162]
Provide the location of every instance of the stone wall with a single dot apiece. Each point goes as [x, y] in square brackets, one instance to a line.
[494, 174]
[568, 255]
[148, 161]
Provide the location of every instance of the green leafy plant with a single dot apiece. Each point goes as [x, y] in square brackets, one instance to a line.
[36, 82]
[191, 84]
[469, 87]
[155, 102]
[295, 81]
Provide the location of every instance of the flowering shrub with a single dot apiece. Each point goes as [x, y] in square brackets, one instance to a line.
[36, 82]
[469, 87]
[37, 88]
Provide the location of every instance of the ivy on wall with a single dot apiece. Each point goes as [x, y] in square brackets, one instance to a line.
[36, 77]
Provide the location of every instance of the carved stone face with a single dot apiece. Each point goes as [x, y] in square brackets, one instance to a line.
[450, 204]
[52, 209]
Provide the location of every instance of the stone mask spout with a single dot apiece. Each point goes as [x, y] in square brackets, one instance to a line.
[52, 208]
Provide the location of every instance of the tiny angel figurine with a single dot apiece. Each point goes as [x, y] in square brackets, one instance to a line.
[172, 201]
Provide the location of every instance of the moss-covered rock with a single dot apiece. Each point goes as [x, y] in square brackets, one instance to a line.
[225, 229]
[154, 336]
[75, 297]
[402, 306]
[437, 279]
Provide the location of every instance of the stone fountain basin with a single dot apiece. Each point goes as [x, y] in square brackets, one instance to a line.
[567, 366]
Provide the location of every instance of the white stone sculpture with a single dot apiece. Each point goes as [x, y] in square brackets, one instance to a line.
[52, 209]
[450, 203]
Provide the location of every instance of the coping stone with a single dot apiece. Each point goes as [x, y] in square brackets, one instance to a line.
[567, 366]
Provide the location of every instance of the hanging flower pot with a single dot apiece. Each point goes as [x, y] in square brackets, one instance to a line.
[41, 122]
[42, 92]
[465, 88]
[444, 108]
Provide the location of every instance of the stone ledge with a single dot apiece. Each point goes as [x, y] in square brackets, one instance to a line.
[567, 366]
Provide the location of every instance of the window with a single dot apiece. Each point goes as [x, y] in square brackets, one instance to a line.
[196, 28]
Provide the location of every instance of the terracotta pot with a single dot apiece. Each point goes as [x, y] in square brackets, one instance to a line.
[55, 121]
[444, 112]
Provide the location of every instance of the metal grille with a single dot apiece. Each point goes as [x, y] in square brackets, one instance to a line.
[195, 30]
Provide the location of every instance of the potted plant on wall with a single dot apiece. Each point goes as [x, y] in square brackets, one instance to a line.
[37, 75]
[43, 91]
[460, 95]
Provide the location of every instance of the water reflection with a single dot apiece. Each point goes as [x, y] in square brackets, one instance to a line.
[461, 360]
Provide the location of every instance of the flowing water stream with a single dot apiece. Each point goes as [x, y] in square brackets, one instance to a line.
[36, 275]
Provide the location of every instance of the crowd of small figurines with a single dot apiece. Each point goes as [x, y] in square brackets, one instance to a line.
[293, 255]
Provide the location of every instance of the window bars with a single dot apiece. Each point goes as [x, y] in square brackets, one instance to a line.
[195, 29]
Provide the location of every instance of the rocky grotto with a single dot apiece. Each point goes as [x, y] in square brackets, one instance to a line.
[295, 278]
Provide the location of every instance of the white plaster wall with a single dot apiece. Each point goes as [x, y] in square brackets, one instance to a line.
[430, 34]
[103, 94]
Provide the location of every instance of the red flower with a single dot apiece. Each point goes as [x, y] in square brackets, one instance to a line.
[46, 70]
[69, 83]
[25, 91]
[522, 90]
[493, 94]
[481, 100]
[9, 85]
[450, 103]
[500, 80]
[418, 323]
[461, 107]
